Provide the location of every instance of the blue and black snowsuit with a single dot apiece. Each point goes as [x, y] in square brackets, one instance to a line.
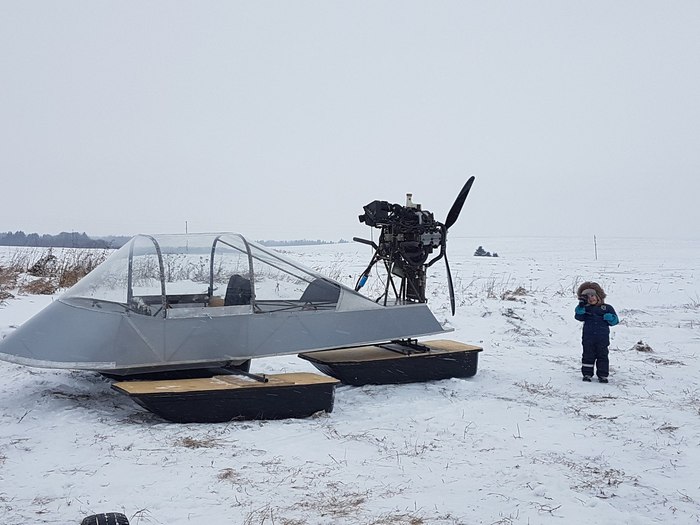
[597, 320]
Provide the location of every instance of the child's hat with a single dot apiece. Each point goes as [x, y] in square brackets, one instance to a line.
[591, 287]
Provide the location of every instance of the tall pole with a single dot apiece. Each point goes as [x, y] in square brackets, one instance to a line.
[595, 247]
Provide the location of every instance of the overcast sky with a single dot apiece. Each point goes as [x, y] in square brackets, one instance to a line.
[281, 120]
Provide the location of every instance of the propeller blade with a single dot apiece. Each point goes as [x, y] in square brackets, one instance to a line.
[459, 202]
[449, 285]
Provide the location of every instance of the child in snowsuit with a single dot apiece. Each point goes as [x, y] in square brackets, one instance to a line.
[597, 318]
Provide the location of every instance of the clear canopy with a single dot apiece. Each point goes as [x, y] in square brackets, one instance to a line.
[179, 275]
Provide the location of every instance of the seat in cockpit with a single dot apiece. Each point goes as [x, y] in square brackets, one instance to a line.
[238, 291]
[321, 291]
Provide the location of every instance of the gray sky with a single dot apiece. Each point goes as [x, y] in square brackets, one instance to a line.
[280, 120]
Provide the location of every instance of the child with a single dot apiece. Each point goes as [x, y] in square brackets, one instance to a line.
[597, 318]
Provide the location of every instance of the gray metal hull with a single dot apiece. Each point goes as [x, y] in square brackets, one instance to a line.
[68, 336]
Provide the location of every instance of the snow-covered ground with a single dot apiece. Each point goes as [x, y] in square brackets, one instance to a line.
[522, 442]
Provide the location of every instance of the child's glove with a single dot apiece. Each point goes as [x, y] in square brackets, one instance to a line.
[611, 319]
[580, 310]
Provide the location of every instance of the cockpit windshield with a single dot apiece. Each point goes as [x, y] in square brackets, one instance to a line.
[194, 275]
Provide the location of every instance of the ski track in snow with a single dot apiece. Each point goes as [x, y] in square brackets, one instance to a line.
[522, 442]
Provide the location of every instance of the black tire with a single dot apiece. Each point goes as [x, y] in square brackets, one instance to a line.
[107, 518]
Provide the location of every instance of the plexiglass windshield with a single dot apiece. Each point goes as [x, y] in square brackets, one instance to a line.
[153, 274]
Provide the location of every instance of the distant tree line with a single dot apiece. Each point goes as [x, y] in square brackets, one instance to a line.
[115, 241]
[62, 240]
[299, 242]
[81, 240]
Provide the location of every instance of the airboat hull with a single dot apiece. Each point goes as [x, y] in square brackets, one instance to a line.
[386, 364]
[173, 302]
[227, 398]
[67, 336]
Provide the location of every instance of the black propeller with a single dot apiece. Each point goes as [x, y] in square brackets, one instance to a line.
[449, 285]
[451, 219]
[459, 202]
